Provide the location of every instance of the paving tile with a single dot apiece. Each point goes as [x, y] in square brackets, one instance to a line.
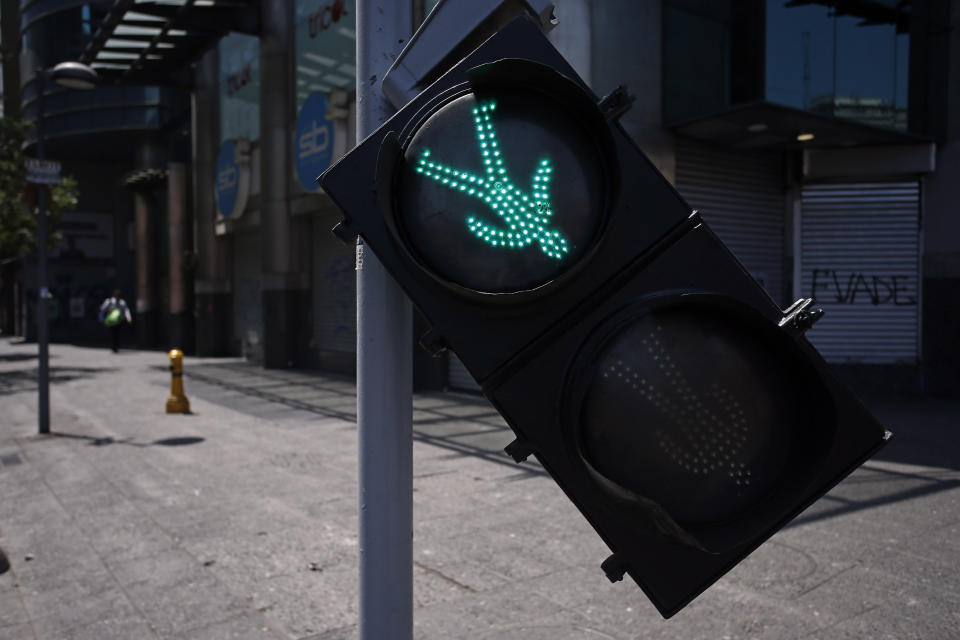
[309, 602]
[12, 611]
[246, 626]
[69, 613]
[22, 631]
[185, 605]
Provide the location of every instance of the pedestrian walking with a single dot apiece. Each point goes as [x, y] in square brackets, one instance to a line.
[113, 312]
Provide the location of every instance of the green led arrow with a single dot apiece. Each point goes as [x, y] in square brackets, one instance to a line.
[524, 217]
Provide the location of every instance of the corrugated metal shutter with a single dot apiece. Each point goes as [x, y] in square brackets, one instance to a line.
[741, 196]
[860, 243]
[334, 290]
[457, 375]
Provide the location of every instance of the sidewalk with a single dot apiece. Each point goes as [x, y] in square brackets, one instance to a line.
[239, 521]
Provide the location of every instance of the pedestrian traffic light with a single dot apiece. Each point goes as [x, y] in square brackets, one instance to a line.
[674, 403]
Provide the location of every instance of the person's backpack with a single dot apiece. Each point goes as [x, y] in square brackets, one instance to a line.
[114, 317]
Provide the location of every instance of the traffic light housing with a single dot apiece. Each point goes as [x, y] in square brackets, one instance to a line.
[674, 403]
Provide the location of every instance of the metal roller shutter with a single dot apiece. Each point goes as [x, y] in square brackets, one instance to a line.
[334, 292]
[741, 196]
[859, 248]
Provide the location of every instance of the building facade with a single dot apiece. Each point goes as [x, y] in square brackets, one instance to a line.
[117, 141]
[819, 140]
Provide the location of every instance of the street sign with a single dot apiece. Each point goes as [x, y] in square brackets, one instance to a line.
[43, 171]
[232, 178]
[313, 141]
[682, 411]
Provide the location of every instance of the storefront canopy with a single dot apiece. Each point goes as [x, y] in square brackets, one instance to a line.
[764, 125]
[150, 43]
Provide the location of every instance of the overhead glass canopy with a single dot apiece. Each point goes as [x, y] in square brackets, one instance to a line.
[149, 42]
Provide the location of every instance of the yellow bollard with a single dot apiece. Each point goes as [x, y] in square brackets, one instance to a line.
[177, 402]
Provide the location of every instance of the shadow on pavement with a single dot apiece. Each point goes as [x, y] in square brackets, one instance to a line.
[263, 385]
[105, 441]
[461, 423]
[925, 430]
[178, 442]
[940, 450]
[17, 357]
[20, 380]
[893, 486]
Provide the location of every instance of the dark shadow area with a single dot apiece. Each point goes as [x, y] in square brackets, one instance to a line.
[15, 341]
[128, 352]
[260, 383]
[17, 357]
[922, 450]
[4, 563]
[178, 442]
[103, 342]
[889, 486]
[21, 380]
[926, 431]
[105, 441]
[10, 460]
[461, 423]
[91, 440]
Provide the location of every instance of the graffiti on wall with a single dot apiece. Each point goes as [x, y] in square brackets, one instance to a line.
[853, 287]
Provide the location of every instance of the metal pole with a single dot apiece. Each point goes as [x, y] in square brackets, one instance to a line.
[384, 371]
[43, 372]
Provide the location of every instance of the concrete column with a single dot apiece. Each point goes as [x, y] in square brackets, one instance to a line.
[145, 319]
[626, 49]
[285, 293]
[213, 296]
[572, 36]
[178, 216]
[941, 275]
[147, 312]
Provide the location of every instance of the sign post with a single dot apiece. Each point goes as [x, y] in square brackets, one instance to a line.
[72, 75]
[384, 373]
[42, 172]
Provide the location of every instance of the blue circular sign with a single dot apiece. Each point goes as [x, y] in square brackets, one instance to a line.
[227, 179]
[313, 145]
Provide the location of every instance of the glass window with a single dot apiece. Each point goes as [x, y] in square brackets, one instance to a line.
[849, 62]
[239, 87]
[53, 39]
[326, 47]
[712, 56]
[696, 58]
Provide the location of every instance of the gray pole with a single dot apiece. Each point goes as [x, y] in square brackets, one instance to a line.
[384, 371]
[43, 371]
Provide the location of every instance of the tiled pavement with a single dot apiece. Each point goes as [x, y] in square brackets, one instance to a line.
[239, 521]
